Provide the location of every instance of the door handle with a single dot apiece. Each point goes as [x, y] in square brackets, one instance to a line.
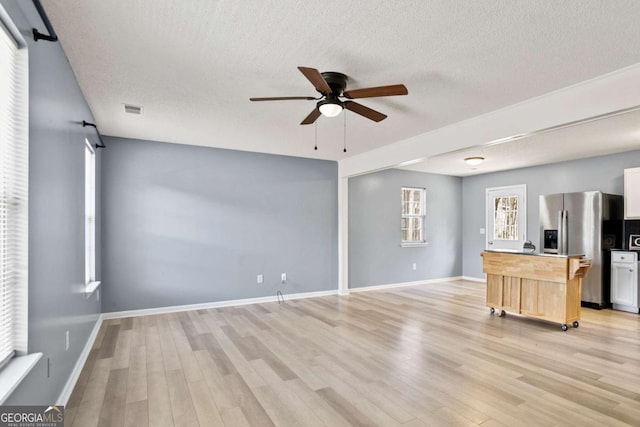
[491, 243]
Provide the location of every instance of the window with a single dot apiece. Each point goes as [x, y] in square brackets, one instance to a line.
[506, 217]
[90, 218]
[413, 216]
[14, 185]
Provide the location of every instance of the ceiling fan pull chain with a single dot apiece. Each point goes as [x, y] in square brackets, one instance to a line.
[315, 125]
[344, 139]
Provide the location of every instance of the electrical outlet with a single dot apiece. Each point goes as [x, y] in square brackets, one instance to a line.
[260, 278]
[284, 277]
[415, 266]
[482, 231]
[66, 341]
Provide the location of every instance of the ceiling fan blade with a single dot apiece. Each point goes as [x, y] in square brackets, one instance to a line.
[316, 79]
[283, 98]
[371, 92]
[367, 112]
[312, 117]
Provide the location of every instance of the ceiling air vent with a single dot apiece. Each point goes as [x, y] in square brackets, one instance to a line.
[132, 109]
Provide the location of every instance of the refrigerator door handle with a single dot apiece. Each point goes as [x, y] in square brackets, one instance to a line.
[563, 236]
[560, 232]
[565, 225]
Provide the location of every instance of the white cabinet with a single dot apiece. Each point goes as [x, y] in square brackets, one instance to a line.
[632, 193]
[624, 281]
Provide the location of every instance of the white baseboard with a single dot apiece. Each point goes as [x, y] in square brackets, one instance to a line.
[404, 284]
[64, 396]
[474, 279]
[217, 304]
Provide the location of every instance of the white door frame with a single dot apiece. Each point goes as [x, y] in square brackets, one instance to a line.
[522, 217]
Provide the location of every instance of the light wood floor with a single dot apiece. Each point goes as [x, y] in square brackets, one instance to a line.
[428, 355]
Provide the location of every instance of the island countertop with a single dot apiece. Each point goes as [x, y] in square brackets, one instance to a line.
[534, 254]
[547, 267]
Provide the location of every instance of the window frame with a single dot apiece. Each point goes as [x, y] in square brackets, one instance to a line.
[422, 216]
[506, 191]
[18, 363]
[91, 284]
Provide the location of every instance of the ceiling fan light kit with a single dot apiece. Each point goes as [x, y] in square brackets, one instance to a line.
[330, 108]
[332, 87]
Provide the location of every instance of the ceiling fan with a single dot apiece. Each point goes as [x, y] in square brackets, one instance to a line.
[332, 87]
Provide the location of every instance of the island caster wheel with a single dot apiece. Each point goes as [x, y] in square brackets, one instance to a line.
[576, 324]
[502, 313]
[492, 311]
[564, 327]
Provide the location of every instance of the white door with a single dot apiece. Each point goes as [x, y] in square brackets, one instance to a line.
[506, 209]
[623, 283]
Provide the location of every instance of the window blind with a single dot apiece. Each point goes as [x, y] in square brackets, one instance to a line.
[14, 172]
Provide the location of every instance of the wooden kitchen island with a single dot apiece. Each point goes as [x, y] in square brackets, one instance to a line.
[543, 286]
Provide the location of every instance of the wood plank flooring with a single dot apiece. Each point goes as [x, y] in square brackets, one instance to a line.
[428, 355]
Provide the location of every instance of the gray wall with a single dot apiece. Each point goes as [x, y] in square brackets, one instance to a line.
[187, 225]
[375, 255]
[603, 173]
[56, 214]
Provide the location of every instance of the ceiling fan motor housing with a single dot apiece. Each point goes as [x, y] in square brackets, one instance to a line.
[336, 81]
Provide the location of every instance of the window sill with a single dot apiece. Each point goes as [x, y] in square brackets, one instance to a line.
[414, 245]
[15, 371]
[90, 288]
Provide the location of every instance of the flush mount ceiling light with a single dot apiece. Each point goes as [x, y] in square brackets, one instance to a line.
[331, 106]
[474, 161]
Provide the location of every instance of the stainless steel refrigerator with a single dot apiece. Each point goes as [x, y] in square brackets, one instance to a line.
[588, 223]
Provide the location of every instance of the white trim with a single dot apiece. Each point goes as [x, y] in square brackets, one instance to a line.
[216, 304]
[343, 236]
[65, 394]
[15, 371]
[89, 216]
[474, 279]
[11, 28]
[422, 216]
[489, 212]
[404, 284]
[414, 245]
[624, 307]
[91, 287]
[89, 145]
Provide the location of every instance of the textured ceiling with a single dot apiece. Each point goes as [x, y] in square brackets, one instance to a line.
[193, 65]
[614, 133]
